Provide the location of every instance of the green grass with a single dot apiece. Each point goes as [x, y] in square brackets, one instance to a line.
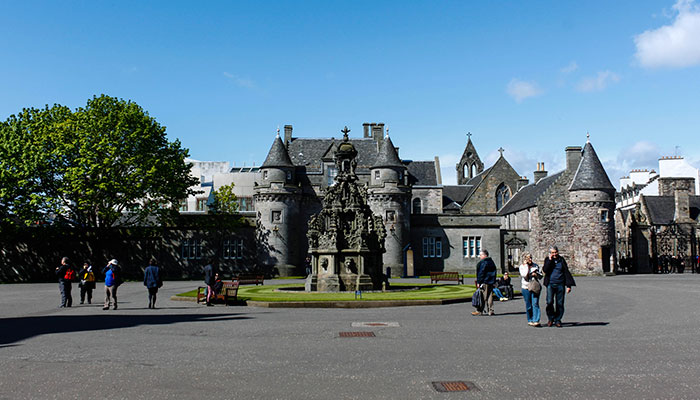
[423, 292]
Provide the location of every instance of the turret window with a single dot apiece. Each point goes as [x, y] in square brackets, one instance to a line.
[289, 176]
[604, 216]
[276, 216]
[377, 175]
[265, 175]
[417, 206]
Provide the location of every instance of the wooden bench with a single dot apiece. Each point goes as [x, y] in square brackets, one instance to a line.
[228, 292]
[436, 276]
[249, 279]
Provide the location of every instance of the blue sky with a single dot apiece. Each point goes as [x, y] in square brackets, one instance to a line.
[530, 76]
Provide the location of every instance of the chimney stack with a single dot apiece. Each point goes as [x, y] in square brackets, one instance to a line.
[287, 135]
[522, 182]
[573, 157]
[540, 172]
[378, 133]
[365, 128]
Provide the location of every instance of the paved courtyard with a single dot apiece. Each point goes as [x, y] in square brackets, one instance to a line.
[625, 337]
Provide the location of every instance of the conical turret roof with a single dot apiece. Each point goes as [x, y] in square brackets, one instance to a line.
[590, 174]
[278, 155]
[387, 156]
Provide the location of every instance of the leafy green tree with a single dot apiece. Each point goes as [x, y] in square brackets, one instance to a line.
[106, 164]
[225, 201]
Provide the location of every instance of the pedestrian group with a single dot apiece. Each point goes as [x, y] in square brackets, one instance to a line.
[66, 274]
[554, 275]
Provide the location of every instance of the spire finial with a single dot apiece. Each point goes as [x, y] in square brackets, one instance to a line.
[469, 135]
[501, 150]
[588, 137]
[345, 133]
[278, 131]
[386, 136]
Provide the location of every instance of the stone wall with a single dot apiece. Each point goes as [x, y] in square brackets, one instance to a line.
[451, 229]
[431, 200]
[483, 200]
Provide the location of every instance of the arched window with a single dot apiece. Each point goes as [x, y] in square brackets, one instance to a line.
[416, 205]
[472, 171]
[502, 196]
[465, 171]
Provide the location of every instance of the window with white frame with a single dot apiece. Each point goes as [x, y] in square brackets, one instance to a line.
[432, 247]
[471, 246]
[233, 249]
[192, 249]
[183, 205]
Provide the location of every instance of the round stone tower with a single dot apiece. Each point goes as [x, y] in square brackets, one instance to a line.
[389, 196]
[592, 197]
[277, 197]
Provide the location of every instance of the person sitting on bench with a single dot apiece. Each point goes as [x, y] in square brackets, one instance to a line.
[504, 289]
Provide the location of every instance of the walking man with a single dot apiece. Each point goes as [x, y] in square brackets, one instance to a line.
[486, 278]
[558, 281]
[209, 280]
[112, 280]
[65, 274]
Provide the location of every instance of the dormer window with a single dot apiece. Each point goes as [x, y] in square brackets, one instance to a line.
[377, 175]
[289, 176]
[265, 175]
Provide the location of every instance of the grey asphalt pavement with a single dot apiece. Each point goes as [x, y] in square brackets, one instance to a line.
[625, 337]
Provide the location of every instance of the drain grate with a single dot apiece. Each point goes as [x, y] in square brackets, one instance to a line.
[357, 334]
[455, 386]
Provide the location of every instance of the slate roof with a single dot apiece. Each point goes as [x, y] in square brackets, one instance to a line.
[590, 173]
[421, 173]
[455, 194]
[309, 152]
[277, 156]
[662, 208]
[387, 156]
[527, 196]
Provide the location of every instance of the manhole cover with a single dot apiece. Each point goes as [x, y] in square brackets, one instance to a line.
[357, 334]
[455, 386]
[374, 324]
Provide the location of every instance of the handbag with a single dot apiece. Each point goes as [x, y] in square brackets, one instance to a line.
[477, 300]
[534, 286]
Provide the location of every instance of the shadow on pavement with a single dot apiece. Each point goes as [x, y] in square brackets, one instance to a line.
[575, 324]
[20, 328]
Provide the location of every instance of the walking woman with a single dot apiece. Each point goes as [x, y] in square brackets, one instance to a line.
[152, 281]
[530, 272]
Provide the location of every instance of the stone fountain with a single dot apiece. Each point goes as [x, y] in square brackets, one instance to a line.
[346, 240]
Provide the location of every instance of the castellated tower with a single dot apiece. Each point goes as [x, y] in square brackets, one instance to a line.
[277, 198]
[388, 196]
[592, 197]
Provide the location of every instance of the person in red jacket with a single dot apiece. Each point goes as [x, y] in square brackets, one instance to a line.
[65, 274]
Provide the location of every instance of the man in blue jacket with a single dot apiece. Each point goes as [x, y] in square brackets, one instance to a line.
[558, 280]
[486, 278]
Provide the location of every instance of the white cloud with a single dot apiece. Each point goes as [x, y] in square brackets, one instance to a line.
[239, 81]
[569, 68]
[675, 45]
[599, 82]
[521, 90]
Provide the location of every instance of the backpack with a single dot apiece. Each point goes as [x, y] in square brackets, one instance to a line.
[90, 277]
[70, 274]
[478, 300]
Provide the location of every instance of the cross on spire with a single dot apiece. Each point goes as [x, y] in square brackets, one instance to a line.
[469, 135]
[501, 150]
[278, 131]
[345, 132]
[588, 137]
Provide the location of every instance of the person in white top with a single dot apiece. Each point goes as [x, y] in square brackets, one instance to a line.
[528, 272]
